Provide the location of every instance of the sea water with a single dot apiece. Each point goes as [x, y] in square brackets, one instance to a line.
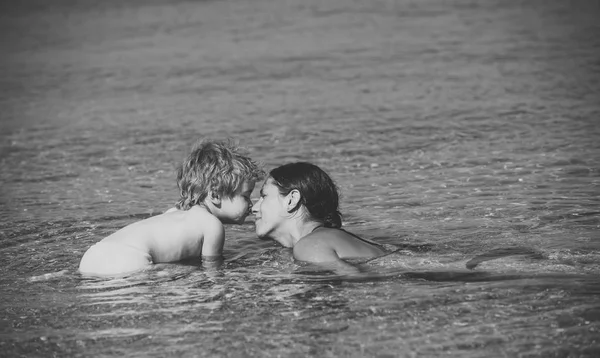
[462, 134]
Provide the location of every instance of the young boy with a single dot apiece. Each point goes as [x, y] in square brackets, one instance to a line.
[215, 182]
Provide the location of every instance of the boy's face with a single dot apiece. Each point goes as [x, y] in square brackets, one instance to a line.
[235, 209]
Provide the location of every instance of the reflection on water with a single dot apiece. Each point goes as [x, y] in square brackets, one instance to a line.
[463, 138]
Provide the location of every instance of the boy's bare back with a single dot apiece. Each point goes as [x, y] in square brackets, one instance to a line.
[175, 235]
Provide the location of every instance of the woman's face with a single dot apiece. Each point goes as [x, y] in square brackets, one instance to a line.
[270, 210]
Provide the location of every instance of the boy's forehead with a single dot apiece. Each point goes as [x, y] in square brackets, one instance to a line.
[246, 186]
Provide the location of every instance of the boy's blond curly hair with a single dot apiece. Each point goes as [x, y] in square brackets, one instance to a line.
[220, 166]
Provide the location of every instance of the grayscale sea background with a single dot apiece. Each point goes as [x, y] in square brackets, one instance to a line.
[463, 132]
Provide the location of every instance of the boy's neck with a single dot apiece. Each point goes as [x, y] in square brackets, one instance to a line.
[202, 207]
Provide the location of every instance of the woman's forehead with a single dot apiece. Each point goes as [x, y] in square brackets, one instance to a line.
[268, 185]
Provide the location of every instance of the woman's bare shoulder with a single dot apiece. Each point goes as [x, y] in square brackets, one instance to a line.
[345, 244]
[330, 234]
[322, 239]
[315, 247]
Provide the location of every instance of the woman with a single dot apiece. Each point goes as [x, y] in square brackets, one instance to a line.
[298, 207]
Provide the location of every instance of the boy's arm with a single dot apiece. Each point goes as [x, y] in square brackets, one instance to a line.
[214, 239]
[212, 262]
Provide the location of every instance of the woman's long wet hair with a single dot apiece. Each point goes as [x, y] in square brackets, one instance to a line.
[318, 192]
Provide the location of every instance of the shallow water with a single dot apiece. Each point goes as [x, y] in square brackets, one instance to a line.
[462, 133]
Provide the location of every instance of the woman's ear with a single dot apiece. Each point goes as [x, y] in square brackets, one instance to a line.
[293, 200]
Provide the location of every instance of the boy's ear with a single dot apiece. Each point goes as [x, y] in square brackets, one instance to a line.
[293, 200]
[214, 198]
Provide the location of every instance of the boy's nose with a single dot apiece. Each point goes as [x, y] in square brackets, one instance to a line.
[254, 208]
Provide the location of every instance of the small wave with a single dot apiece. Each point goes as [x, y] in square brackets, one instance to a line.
[48, 276]
[502, 252]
